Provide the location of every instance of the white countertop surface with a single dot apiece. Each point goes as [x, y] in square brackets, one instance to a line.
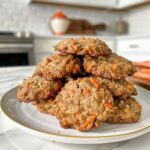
[12, 138]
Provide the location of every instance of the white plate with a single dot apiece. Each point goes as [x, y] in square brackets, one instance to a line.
[26, 117]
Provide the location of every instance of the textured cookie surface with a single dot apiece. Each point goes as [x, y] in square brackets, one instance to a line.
[83, 46]
[111, 67]
[37, 87]
[83, 104]
[128, 111]
[58, 66]
[45, 106]
[119, 88]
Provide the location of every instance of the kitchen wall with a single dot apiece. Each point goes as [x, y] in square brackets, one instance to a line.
[16, 15]
[139, 20]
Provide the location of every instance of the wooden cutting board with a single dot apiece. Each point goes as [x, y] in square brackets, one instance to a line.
[81, 26]
[141, 82]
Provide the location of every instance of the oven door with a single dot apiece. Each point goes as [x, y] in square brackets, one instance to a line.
[16, 54]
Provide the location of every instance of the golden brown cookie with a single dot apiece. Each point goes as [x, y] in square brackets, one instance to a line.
[83, 46]
[58, 66]
[128, 111]
[37, 87]
[109, 67]
[45, 106]
[119, 88]
[83, 104]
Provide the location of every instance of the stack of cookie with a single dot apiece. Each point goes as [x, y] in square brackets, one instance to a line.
[83, 86]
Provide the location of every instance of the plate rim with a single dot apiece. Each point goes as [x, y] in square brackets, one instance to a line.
[25, 127]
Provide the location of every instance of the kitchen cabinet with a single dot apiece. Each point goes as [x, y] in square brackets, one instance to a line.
[93, 3]
[112, 4]
[127, 3]
[134, 48]
[44, 46]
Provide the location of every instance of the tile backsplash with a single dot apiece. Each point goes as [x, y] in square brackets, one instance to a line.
[16, 15]
[139, 20]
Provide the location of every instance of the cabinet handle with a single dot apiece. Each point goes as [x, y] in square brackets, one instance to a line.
[133, 46]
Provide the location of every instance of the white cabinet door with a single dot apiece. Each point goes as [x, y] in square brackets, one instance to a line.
[126, 3]
[136, 49]
[94, 3]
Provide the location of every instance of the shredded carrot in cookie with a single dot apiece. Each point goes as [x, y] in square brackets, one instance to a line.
[86, 92]
[88, 121]
[78, 115]
[69, 66]
[88, 68]
[94, 82]
[72, 91]
[78, 80]
[108, 105]
[77, 68]
[92, 113]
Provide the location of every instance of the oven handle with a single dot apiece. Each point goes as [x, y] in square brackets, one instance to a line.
[16, 45]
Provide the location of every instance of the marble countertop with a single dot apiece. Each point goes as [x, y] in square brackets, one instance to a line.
[15, 139]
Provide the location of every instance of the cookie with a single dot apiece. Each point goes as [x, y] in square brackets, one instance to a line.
[119, 88]
[109, 67]
[83, 46]
[58, 66]
[128, 111]
[83, 104]
[45, 106]
[37, 87]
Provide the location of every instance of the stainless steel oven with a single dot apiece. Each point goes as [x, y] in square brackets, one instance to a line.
[16, 51]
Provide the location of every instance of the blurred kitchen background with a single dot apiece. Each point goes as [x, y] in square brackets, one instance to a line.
[29, 29]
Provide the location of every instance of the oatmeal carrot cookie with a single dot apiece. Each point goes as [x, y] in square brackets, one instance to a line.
[128, 111]
[59, 66]
[111, 67]
[37, 87]
[83, 46]
[119, 88]
[83, 104]
[45, 106]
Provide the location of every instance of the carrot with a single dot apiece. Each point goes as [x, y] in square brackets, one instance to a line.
[77, 67]
[72, 91]
[144, 70]
[108, 105]
[142, 64]
[78, 115]
[88, 68]
[94, 82]
[88, 121]
[70, 66]
[147, 61]
[142, 75]
[85, 92]
[92, 113]
[79, 79]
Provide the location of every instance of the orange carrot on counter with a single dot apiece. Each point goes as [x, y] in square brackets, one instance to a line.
[142, 75]
[145, 64]
[144, 70]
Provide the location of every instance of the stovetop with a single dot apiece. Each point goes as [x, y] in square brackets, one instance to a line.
[16, 37]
